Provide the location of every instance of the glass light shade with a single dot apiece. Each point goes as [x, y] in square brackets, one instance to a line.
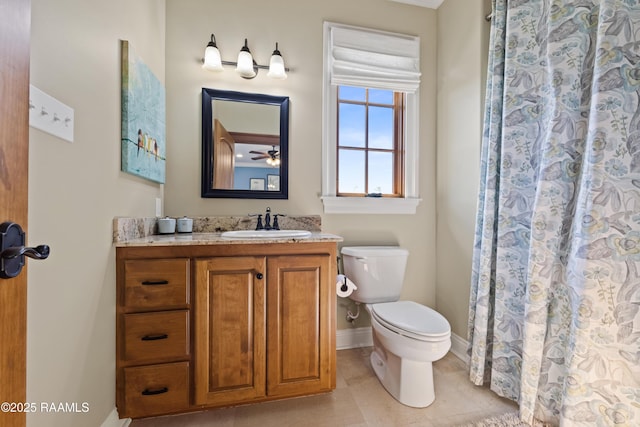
[276, 67]
[245, 65]
[273, 162]
[212, 61]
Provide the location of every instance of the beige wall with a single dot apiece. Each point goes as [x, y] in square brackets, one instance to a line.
[189, 25]
[462, 52]
[75, 190]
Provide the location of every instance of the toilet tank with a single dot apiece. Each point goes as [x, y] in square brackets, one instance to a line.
[377, 271]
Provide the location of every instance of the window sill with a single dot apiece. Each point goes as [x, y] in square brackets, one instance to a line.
[369, 205]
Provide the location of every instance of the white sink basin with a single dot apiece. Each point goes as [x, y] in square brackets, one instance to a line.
[266, 234]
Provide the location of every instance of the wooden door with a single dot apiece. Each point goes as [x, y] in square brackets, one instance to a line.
[224, 158]
[229, 330]
[15, 21]
[301, 358]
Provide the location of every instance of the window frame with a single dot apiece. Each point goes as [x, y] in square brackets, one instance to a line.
[334, 204]
[398, 107]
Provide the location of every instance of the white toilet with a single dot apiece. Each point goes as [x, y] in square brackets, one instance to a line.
[407, 336]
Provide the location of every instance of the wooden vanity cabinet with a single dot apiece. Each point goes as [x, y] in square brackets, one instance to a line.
[261, 321]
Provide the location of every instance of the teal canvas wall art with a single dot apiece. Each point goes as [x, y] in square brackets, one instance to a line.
[143, 118]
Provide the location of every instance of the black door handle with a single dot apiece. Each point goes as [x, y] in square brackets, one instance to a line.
[39, 252]
[13, 250]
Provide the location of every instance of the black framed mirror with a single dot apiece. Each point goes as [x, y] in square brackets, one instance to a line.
[245, 145]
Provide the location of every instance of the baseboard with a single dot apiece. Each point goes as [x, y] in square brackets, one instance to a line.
[459, 347]
[113, 420]
[353, 338]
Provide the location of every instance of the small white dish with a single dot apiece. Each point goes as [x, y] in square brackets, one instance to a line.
[185, 225]
[166, 225]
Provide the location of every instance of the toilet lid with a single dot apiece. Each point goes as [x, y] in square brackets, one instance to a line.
[411, 317]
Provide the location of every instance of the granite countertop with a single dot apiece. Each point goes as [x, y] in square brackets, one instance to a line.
[131, 232]
[216, 239]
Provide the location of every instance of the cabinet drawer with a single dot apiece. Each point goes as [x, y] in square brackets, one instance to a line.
[156, 283]
[162, 334]
[156, 389]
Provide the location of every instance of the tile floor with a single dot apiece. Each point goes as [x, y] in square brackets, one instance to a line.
[359, 400]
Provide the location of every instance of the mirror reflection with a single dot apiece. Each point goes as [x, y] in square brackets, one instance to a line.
[245, 138]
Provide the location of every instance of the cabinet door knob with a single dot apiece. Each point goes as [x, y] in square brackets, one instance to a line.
[259, 276]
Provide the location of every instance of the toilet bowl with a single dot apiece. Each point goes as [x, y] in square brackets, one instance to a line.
[402, 358]
[407, 337]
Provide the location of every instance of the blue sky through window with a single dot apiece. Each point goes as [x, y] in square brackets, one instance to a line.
[352, 132]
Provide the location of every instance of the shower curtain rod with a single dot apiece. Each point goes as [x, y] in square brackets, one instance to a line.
[488, 16]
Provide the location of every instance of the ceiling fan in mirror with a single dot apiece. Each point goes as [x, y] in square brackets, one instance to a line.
[272, 156]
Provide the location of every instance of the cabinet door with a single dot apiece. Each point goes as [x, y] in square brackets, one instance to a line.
[301, 340]
[229, 330]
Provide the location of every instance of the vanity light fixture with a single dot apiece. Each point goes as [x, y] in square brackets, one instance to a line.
[246, 66]
[276, 66]
[212, 61]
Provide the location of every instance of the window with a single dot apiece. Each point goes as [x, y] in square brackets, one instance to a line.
[370, 142]
[370, 121]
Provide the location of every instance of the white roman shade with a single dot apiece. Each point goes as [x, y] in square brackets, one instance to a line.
[374, 59]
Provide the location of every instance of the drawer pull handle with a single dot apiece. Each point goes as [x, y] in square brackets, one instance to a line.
[154, 337]
[155, 282]
[148, 392]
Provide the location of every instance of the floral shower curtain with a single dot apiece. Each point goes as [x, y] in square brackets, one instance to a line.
[554, 311]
